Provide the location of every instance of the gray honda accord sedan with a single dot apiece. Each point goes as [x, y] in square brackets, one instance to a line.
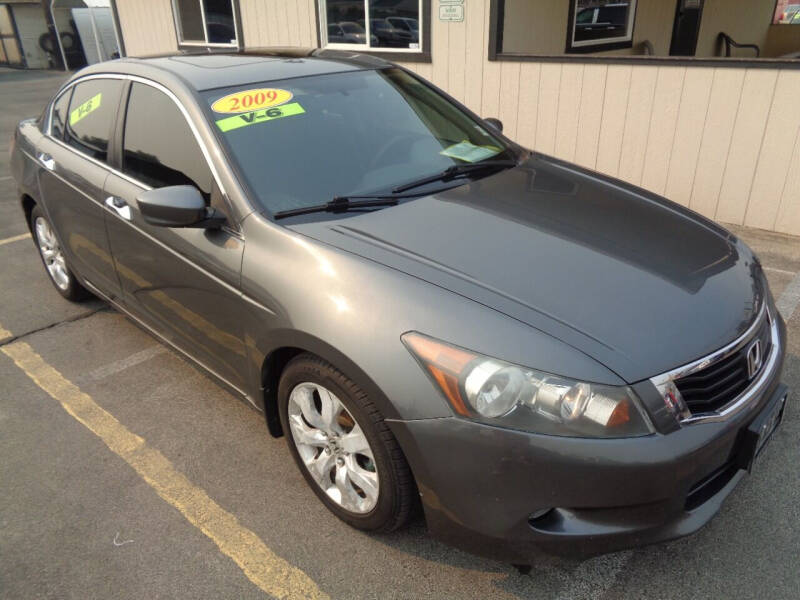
[543, 358]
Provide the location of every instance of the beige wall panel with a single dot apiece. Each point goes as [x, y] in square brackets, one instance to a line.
[490, 95]
[528, 103]
[569, 102]
[637, 123]
[440, 43]
[688, 134]
[547, 111]
[788, 220]
[615, 105]
[293, 23]
[746, 21]
[252, 18]
[666, 103]
[304, 23]
[272, 24]
[457, 55]
[774, 161]
[748, 132]
[476, 50]
[147, 27]
[723, 105]
[590, 114]
[509, 97]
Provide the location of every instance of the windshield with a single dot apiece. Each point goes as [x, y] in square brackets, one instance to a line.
[307, 140]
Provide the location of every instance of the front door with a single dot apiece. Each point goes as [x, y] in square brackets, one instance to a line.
[182, 282]
[688, 15]
[72, 176]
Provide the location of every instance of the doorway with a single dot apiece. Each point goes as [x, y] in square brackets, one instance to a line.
[686, 30]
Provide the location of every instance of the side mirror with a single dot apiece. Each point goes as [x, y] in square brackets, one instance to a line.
[496, 123]
[177, 206]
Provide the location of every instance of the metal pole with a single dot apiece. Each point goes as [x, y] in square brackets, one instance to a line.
[100, 54]
[58, 34]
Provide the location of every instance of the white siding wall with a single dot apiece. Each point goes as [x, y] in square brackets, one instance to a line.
[723, 141]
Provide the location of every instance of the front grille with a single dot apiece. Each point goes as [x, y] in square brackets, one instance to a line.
[720, 383]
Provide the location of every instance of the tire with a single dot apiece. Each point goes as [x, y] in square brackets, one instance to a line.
[308, 378]
[55, 264]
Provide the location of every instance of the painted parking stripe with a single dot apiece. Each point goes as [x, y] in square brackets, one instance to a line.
[118, 366]
[16, 238]
[264, 568]
[5, 334]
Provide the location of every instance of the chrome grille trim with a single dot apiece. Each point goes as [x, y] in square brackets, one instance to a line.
[756, 387]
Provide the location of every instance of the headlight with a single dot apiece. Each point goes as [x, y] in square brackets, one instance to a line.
[493, 391]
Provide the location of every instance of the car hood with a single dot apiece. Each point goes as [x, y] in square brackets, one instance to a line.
[639, 283]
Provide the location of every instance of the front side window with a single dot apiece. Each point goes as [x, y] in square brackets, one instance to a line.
[91, 114]
[158, 147]
[206, 22]
[372, 24]
[595, 24]
[301, 142]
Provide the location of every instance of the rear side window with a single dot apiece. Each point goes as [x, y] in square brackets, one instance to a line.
[158, 147]
[91, 115]
[59, 118]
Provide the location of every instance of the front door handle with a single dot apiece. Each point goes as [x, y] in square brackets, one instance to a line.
[47, 161]
[119, 206]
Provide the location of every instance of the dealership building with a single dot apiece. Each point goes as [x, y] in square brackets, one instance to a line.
[696, 100]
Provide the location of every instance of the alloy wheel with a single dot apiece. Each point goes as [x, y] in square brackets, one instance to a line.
[51, 253]
[333, 447]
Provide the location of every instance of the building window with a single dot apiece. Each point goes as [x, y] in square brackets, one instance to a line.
[373, 25]
[206, 22]
[596, 24]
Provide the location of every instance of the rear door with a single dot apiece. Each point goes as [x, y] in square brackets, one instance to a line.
[73, 160]
[182, 282]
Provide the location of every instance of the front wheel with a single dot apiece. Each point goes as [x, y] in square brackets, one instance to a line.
[343, 447]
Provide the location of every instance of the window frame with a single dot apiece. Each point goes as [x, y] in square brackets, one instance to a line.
[615, 43]
[421, 54]
[237, 19]
[495, 53]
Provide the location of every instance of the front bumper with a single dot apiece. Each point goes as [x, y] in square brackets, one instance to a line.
[480, 484]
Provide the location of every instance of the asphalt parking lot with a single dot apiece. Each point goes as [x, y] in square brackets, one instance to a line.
[126, 473]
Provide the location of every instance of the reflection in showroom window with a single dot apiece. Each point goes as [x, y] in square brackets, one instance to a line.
[596, 23]
[372, 24]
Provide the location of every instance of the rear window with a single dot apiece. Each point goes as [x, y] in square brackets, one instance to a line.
[91, 115]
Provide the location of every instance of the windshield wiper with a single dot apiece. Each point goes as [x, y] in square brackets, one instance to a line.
[455, 171]
[341, 204]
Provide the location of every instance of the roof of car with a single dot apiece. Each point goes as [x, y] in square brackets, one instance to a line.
[204, 71]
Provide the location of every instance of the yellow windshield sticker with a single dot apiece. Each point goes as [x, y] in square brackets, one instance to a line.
[250, 100]
[84, 109]
[259, 116]
[469, 152]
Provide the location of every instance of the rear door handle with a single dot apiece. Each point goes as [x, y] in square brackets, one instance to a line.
[119, 206]
[47, 161]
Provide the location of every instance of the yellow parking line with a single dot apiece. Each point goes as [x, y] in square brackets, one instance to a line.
[5, 334]
[16, 238]
[263, 567]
